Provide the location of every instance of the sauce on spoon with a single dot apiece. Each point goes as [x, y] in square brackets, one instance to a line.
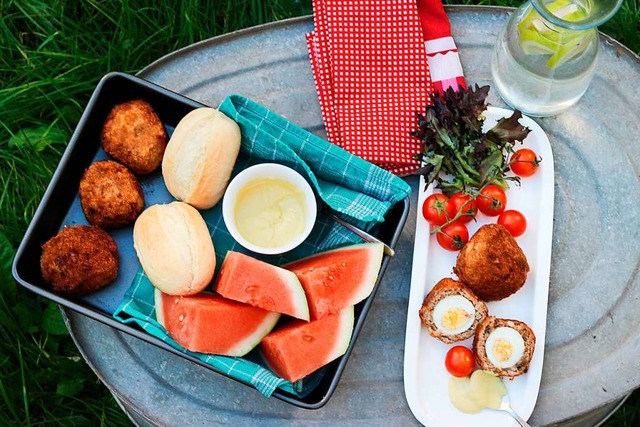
[480, 391]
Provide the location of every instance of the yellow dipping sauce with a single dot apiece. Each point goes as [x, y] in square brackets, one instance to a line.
[473, 394]
[270, 212]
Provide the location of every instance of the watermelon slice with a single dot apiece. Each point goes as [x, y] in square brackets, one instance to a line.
[300, 348]
[246, 279]
[338, 278]
[208, 323]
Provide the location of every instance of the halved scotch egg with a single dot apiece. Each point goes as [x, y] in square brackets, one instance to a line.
[504, 347]
[451, 311]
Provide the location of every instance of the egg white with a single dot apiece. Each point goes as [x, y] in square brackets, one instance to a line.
[513, 337]
[451, 302]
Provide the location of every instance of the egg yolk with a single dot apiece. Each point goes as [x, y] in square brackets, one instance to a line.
[454, 318]
[502, 349]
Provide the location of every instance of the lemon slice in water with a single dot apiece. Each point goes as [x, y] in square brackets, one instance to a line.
[569, 51]
[533, 43]
[537, 37]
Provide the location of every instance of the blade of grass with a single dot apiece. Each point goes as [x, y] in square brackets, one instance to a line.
[25, 398]
[8, 404]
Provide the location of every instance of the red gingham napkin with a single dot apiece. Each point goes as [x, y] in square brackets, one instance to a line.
[371, 74]
[318, 44]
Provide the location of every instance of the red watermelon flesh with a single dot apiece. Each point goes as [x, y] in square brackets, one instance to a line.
[338, 278]
[251, 281]
[300, 348]
[208, 323]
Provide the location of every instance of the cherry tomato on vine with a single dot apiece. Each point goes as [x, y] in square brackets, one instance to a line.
[492, 200]
[513, 221]
[459, 361]
[464, 203]
[453, 236]
[436, 209]
[524, 162]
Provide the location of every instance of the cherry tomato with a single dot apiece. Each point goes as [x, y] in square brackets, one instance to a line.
[436, 209]
[464, 203]
[513, 221]
[453, 236]
[524, 162]
[459, 361]
[492, 200]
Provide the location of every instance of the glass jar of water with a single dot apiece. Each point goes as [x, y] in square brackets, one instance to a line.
[545, 56]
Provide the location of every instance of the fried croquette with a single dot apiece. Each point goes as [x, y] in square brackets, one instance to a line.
[110, 195]
[134, 135]
[79, 259]
[492, 264]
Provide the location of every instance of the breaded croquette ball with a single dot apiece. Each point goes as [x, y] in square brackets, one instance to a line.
[79, 259]
[110, 195]
[492, 264]
[134, 135]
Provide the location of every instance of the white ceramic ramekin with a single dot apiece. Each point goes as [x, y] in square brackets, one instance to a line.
[268, 170]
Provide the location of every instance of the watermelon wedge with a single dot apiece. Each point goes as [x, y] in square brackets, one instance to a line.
[300, 348]
[208, 323]
[251, 281]
[338, 278]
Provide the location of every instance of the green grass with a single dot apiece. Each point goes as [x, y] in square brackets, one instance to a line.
[52, 54]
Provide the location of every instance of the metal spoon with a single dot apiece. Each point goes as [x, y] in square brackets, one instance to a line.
[361, 233]
[506, 407]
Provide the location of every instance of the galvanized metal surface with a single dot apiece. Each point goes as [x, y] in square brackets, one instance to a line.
[592, 346]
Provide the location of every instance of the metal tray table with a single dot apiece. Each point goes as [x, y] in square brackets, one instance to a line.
[593, 318]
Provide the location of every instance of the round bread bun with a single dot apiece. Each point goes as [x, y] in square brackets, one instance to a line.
[134, 135]
[79, 259]
[174, 248]
[110, 195]
[502, 345]
[492, 264]
[455, 306]
[200, 157]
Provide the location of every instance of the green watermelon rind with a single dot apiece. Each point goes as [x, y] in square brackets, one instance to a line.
[252, 341]
[345, 333]
[298, 296]
[157, 297]
[377, 254]
[342, 337]
[243, 346]
[368, 282]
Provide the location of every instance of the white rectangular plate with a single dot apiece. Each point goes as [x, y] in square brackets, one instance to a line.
[425, 377]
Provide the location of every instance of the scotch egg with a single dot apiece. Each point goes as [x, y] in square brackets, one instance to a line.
[451, 311]
[504, 347]
[454, 314]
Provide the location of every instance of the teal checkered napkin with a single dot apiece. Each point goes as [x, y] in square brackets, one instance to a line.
[346, 183]
[357, 190]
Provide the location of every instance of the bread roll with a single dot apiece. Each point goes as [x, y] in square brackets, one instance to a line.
[200, 156]
[174, 248]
